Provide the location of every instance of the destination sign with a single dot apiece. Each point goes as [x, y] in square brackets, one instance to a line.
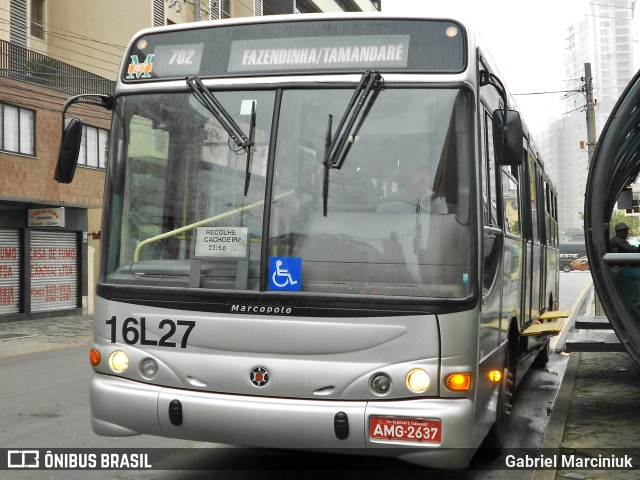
[313, 53]
[308, 46]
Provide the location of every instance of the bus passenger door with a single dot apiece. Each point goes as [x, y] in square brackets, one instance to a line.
[532, 280]
[492, 248]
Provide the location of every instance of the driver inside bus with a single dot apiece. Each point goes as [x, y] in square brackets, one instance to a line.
[415, 190]
[619, 242]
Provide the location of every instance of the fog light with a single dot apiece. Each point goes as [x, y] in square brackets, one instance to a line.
[148, 368]
[381, 384]
[418, 380]
[118, 361]
[459, 382]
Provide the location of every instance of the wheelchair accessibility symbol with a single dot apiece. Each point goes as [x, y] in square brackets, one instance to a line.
[285, 273]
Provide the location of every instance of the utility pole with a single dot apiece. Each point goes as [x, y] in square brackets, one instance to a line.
[591, 113]
[591, 143]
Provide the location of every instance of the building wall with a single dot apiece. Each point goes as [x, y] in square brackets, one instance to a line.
[71, 24]
[4, 17]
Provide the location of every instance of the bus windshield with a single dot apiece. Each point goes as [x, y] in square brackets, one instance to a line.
[189, 208]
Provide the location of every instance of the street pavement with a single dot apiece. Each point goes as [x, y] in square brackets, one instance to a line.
[597, 406]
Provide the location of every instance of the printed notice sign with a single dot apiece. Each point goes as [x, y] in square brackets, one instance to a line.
[227, 242]
[364, 51]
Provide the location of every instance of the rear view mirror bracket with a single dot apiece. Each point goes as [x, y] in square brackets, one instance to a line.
[72, 136]
[508, 135]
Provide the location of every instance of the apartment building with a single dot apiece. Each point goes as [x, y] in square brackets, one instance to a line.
[49, 51]
[604, 37]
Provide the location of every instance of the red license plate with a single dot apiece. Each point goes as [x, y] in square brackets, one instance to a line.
[405, 429]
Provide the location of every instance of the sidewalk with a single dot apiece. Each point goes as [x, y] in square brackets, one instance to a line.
[45, 334]
[598, 406]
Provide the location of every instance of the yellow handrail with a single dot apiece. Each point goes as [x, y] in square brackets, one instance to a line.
[186, 228]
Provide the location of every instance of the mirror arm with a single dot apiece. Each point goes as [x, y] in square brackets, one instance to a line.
[104, 101]
[488, 78]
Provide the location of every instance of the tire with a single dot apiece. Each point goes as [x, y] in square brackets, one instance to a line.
[566, 268]
[542, 358]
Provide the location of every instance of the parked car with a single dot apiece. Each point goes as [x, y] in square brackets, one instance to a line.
[581, 263]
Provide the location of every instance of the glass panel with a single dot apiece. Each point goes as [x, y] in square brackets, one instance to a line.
[179, 192]
[103, 147]
[92, 146]
[511, 204]
[11, 137]
[26, 132]
[396, 208]
[82, 155]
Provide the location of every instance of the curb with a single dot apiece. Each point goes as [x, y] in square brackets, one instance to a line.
[586, 296]
[555, 429]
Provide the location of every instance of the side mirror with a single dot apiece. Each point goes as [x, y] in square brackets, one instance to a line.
[508, 137]
[69, 150]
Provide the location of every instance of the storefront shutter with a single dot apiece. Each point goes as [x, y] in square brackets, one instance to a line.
[9, 271]
[54, 271]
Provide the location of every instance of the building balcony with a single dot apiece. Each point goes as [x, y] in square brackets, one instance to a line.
[25, 65]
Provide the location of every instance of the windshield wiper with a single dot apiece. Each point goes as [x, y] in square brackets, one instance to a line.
[211, 103]
[335, 151]
[340, 145]
[327, 167]
[252, 141]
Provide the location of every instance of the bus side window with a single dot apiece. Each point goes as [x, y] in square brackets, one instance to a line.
[489, 194]
[512, 221]
[492, 241]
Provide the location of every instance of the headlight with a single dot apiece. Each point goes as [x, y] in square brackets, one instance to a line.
[118, 361]
[418, 380]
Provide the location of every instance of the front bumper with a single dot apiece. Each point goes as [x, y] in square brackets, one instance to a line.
[121, 407]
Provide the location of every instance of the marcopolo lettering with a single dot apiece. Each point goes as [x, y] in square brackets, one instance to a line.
[262, 309]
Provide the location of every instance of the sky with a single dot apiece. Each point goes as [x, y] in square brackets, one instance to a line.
[527, 43]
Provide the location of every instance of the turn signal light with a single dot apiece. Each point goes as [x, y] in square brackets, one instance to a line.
[459, 382]
[495, 375]
[94, 357]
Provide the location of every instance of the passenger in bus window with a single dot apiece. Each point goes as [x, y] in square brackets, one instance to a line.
[415, 191]
[619, 242]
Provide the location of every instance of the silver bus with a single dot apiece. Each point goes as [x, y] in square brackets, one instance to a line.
[319, 232]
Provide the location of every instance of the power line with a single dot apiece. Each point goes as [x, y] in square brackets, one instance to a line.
[547, 93]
